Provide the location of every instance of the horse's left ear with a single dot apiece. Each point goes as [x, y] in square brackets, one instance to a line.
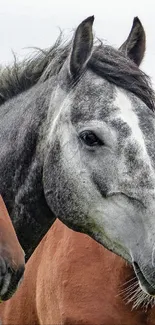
[82, 46]
[134, 46]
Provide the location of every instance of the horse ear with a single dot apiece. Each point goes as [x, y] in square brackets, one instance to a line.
[134, 46]
[82, 46]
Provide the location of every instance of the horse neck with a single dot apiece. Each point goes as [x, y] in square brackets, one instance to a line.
[22, 188]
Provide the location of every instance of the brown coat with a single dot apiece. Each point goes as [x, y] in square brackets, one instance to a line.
[72, 280]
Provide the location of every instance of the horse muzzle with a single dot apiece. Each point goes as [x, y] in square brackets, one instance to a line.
[146, 284]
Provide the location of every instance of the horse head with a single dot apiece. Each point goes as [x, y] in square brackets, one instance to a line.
[99, 153]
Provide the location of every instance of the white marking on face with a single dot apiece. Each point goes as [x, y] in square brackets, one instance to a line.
[127, 114]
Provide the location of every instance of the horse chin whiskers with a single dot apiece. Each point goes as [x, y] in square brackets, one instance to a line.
[133, 294]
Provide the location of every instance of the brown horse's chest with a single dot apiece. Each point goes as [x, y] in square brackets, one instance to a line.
[91, 278]
[71, 280]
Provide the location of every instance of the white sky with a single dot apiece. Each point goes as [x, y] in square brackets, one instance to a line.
[28, 23]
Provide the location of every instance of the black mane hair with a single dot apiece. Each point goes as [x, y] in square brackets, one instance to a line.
[105, 61]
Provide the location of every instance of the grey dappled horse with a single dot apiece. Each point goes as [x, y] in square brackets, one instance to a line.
[78, 144]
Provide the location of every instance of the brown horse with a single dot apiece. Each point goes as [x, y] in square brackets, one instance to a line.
[11, 256]
[72, 280]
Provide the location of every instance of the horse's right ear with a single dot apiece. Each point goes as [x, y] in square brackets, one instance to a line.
[82, 46]
[134, 46]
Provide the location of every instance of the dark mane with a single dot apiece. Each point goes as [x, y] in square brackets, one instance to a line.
[105, 61]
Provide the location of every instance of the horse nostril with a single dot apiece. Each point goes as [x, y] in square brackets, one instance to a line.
[3, 266]
[17, 274]
[153, 256]
[20, 272]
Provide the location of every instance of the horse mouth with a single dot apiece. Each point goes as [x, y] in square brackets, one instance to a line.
[143, 282]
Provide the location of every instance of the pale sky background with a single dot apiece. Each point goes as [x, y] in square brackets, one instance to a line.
[28, 23]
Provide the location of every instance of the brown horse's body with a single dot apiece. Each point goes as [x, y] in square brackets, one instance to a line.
[72, 280]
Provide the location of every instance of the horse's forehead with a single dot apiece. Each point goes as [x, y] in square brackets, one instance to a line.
[93, 99]
[127, 113]
[94, 87]
[132, 112]
[96, 98]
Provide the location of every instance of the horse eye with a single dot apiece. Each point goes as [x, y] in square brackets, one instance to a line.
[90, 139]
